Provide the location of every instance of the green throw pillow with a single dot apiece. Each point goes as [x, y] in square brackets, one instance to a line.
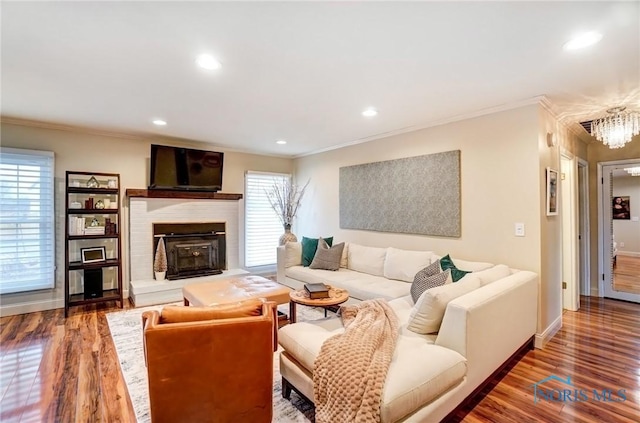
[309, 247]
[447, 263]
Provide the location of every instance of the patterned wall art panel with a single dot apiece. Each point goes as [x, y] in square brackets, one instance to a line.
[415, 195]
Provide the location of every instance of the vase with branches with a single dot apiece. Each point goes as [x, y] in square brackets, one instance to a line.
[285, 198]
[160, 261]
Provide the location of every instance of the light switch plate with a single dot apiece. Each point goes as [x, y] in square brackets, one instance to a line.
[519, 229]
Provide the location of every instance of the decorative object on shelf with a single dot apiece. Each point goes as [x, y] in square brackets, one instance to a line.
[88, 203]
[93, 183]
[75, 205]
[113, 205]
[633, 171]
[160, 261]
[285, 198]
[94, 222]
[616, 129]
[93, 254]
[111, 183]
[99, 205]
[107, 203]
[552, 192]
[74, 184]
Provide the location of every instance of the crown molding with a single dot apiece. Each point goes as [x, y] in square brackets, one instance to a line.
[130, 135]
[439, 122]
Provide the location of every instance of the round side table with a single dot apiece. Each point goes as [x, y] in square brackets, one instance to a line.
[301, 296]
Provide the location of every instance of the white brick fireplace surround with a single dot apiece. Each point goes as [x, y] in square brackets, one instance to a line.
[145, 210]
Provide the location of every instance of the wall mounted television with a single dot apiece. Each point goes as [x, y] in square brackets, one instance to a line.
[177, 168]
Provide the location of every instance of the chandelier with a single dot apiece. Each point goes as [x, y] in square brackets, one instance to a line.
[617, 129]
[633, 171]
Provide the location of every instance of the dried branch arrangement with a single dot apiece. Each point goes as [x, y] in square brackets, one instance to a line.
[285, 198]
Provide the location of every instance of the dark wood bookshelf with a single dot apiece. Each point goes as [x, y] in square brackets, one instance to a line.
[78, 265]
[81, 194]
[94, 211]
[107, 295]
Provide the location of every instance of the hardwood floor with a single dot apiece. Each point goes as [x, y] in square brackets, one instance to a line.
[54, 369]
[626, 274]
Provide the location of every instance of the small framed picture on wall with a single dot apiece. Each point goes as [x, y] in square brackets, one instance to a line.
[552, 192]
[620, 208]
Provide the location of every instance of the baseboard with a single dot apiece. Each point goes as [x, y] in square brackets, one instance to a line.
[30, 307]
[629, 253]
[594, 292]
[544, 337]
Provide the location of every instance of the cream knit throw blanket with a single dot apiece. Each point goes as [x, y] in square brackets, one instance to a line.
[350, 371]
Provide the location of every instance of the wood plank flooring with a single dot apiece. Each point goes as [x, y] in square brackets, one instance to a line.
[54, 369]
[626, 274]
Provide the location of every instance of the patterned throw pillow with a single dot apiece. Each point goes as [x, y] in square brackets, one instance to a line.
[309, 247]
[447, 263]
[327, 258]
[423, 281]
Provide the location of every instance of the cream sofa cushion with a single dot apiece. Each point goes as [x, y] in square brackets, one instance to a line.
[368, 260]
[468, 266]
[360, 285]
[403, 265]
[491, 275]
[428, 312]
[293, 254]
[419, 372]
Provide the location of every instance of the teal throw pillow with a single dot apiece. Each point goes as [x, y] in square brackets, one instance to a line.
[447, 263]
[309, 247]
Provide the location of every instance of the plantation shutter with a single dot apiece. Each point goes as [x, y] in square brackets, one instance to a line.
[263, 228]
[27, 220]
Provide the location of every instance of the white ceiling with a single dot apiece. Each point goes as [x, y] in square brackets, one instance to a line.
[304, 71]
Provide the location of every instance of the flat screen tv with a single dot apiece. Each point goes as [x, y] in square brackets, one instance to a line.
[180, 168]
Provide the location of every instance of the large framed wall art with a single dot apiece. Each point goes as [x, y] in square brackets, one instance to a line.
[415, 195]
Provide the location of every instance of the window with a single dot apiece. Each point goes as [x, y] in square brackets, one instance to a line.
[263, 228]
[27, 220]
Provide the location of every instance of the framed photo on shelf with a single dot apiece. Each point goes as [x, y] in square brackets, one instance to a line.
[552, 192]
[93, 254]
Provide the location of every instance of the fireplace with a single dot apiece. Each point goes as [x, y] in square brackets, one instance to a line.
[193, 249]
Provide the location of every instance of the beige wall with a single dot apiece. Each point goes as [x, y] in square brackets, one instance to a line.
[82, 151]
[597, 153]
[503, 162]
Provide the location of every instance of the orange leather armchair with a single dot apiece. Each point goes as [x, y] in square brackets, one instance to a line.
[211, 364]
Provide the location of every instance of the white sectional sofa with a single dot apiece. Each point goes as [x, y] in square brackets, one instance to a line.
[430, 374]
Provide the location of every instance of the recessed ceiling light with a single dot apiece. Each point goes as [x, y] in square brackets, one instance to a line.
[370, 112]
[281, 142]
[207, 61]
[583, 40]
[159, 122]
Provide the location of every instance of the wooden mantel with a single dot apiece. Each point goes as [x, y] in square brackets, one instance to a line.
[188, 195]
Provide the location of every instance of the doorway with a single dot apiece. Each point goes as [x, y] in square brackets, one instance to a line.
[619, 227]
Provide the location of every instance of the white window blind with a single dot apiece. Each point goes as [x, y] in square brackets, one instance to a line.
[27, 220]
[262, 225]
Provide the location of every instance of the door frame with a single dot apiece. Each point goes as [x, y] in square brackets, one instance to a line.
[584, 234]
[604, 233]
[568, 171]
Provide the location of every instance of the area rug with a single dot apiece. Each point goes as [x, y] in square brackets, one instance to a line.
[126, 331]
